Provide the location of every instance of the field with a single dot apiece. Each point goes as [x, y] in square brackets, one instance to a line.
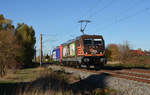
[139, 62]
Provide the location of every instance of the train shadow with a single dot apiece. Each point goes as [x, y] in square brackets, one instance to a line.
[89, 84]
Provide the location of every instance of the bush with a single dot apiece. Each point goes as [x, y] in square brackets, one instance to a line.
[48, 83]
[112, 52]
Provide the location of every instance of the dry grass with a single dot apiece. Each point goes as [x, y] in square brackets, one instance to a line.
[133, 62]
[49, 83]
[44, 81]
[23, 75]
[49, 92]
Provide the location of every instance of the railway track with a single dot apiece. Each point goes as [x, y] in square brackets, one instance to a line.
[139, 75]
[131, 75]
[127, 81]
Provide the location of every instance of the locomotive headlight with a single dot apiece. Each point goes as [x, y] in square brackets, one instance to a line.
[101, 52]
[86, 59]
[102, 59]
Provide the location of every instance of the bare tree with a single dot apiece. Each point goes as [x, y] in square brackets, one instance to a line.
[124, 51]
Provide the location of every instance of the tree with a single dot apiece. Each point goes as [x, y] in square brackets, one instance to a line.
[112, 52]
[8, 49]
[8, 46]
[5, 24]
[108, 54]
[124, 52]
[16, 45]
[26, 38]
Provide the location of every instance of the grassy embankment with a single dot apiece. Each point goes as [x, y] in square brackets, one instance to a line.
[43, 81]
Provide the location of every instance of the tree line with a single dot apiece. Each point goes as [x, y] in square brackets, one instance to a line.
[119, 52]
[124, 54]
[16, 45]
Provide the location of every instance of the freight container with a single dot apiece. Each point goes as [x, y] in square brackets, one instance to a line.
[72, 49]
[56, 54]
[65, 51]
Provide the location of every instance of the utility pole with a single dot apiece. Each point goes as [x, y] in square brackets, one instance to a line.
[41, 52]
[82, 28]
[35, 55]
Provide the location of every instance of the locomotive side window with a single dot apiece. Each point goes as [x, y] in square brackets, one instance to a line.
[87, 41]
[97, 41]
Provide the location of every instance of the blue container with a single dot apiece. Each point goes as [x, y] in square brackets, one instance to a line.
[56, 54]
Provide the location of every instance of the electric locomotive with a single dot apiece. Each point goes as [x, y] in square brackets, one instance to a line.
[86, 50]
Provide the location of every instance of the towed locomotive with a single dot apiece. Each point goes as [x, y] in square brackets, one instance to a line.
[86, 50]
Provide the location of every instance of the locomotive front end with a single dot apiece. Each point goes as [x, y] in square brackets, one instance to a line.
[94, 50]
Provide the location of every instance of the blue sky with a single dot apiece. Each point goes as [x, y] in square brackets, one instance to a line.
[116, 20]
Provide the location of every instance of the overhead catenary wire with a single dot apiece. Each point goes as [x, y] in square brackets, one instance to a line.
[115, 18]
[44, 47]
[138, 12]
[97, 12]
[48, 44]
[92, 15]
[70, 34]
[101, 9]
[125, 18]
[135, 4]
[110, 3]
[89, 10]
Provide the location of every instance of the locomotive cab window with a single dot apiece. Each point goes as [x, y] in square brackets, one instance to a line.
[87, 41]
[97, 41]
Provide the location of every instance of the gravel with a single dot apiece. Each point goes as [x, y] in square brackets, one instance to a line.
[123, 86]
